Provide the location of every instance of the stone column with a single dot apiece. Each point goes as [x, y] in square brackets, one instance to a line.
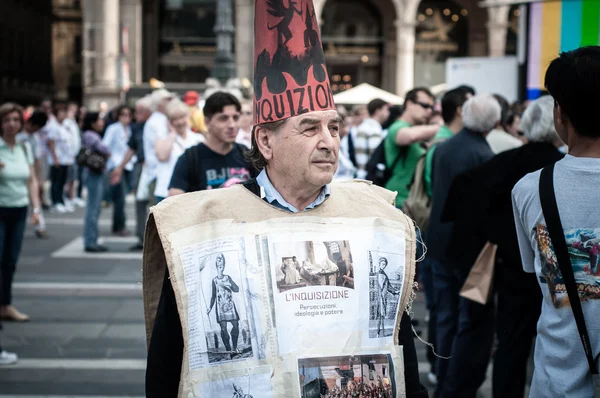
[405, 44]
[497, 28]
[101, 51]
[131, 18]
[244, 38]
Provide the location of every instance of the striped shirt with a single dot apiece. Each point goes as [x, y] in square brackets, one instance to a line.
[368, 136]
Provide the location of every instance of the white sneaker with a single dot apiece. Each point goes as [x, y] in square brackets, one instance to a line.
[69, 208]
[58, 209]
[78, 202]
[432, 379]
[8, 358]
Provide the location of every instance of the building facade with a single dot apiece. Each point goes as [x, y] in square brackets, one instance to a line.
[393, 44]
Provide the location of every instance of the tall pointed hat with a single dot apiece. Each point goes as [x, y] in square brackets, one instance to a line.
[290, 76]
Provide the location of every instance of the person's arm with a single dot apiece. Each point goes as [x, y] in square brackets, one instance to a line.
[414, 388]
[115, 176]
[33, 187]
[527, 253]
[165, 354]
[52, 150]
[234, 288]
[180, 180]
[163, 147]
[409, 135]
[213, 297]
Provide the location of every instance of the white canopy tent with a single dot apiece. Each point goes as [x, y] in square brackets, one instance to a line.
[364, 93]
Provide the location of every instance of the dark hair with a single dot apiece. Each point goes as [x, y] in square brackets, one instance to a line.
[451, 101]
[38, 118]
[219, 100]
[504, 106]
[395, 112]
[413, 94]
[466, 89]
[89, 119]
[573, 81]
[120, 109]
[375, 105]
[254, 155]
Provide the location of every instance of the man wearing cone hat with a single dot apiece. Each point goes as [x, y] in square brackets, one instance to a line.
[266, 335]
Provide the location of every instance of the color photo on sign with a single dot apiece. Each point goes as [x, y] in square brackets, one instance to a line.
[313, 263]
[348, 375]
[228, 335]
[386, 277]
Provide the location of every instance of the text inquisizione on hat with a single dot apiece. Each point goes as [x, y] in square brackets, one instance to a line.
[290, 76]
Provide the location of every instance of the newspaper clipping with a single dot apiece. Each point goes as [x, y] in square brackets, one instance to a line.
[347, 376]
[220, 329]
[386, 277]
[247, 386]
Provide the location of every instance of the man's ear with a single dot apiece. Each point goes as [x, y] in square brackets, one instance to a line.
[263, 139]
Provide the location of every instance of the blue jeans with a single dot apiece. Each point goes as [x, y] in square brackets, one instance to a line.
[465, 332]
[118, 193]
[12, 230]
[95, 188]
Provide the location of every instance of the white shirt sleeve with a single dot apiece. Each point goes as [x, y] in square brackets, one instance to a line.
[527, 253]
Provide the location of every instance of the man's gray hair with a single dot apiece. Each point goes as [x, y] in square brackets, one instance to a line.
[145, 102]
[538, 120]
[481, 113]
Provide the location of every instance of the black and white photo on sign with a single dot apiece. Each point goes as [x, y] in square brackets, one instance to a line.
[347, 376]
[313, 263]
[386, 277]
[251, 386]
[223, 302]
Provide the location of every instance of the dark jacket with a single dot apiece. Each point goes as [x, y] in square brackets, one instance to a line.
[458, 154]
[480, 205]
[165, 354]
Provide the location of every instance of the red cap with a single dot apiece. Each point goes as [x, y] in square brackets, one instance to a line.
[191, 98]
[290, 76]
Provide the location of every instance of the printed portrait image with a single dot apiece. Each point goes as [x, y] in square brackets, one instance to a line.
[347, 376]
[228, 332]
[313, 263]
[252, 386]
[386, 277]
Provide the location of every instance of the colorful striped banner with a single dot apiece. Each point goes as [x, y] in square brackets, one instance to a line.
[554, 27]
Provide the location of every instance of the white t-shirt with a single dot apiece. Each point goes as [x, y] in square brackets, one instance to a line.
[64, 143]
[164, 170]
[561, 368]
[116, 138]
[156, 128]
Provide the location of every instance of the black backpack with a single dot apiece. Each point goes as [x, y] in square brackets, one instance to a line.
[377, 170]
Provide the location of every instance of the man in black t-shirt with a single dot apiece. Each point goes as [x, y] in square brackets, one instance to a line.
[219, 162]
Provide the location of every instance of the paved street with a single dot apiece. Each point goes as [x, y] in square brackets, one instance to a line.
[86, 336]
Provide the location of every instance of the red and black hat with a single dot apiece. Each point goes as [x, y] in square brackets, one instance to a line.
[290, 76]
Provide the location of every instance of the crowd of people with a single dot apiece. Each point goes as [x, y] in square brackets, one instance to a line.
[460, 165]
[360, 389]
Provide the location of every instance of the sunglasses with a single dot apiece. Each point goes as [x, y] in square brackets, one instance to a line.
[424, 105]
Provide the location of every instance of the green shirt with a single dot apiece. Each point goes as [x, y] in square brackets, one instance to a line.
[15, 174]
[404, 171]
[443, 134]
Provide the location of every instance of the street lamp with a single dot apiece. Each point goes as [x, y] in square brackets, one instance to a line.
[224, 68]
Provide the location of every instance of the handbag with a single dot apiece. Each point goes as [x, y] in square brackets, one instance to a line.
[93, 160]
[478, 286]
[557, 238]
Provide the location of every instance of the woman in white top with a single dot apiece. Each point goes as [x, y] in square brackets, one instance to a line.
[116, 138]
[170, 149]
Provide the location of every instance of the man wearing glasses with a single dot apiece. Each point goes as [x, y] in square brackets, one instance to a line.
[404, 144]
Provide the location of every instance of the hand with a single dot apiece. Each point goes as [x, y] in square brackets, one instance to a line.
[115, 176]
[35, 218]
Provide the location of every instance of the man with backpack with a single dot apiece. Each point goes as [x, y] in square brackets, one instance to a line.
[219, 161]
[558, 228]
[404, 144]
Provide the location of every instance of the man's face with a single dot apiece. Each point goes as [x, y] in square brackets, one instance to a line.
[246, 117]
[180, 123]
[420, 110]
[46, 107]
[141, 114]
[223, 126]
[382, 114]
[306, 148]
